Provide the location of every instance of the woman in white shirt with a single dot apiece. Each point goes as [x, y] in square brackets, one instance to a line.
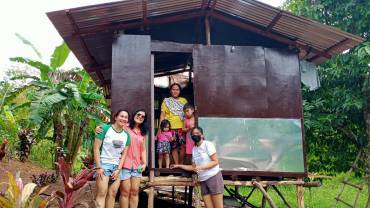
[206, 165]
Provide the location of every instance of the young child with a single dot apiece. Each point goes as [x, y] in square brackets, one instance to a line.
[189, 123]
[163, 146]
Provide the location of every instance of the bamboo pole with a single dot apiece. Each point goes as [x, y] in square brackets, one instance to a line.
[265, 194]
[300, 195]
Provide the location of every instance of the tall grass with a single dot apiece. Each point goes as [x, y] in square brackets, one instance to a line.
[323, 196]
[42, 153]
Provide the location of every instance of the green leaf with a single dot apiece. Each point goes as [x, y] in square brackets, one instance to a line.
[41, 109]
[59, 56]
[25, 41]
[44, 69]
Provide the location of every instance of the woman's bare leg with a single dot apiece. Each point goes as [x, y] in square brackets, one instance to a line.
[125, 193]
[208, 201]
[218, 200]
[101, 190]
[112, 192]
[134, 192]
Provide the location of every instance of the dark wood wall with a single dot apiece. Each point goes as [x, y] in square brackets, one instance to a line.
[246, 81]
[132, 76]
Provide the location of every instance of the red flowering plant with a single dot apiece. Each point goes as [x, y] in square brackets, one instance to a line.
[71, 184]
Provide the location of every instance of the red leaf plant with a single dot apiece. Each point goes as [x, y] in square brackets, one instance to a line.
[71, 185]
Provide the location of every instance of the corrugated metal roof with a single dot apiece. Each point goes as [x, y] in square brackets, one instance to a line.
[317, 41]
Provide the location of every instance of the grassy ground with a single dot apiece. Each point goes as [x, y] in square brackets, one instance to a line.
[323, 196]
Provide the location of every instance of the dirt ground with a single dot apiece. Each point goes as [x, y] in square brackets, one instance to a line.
[86, 194]
[27, 169]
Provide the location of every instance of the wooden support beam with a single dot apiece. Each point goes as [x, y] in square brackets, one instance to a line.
[99, 67]
[138, 24]
[335, 46]
[281, 196]
[262, 32]
[274, 21]
[214, 3]
[166, 46]
[204, 5]
[265, 194]
[208, 30]
[161, 74]
[145, 11]
[151, 190]
[174, 183]
[300, 195]
[271, 183]
[84, 46]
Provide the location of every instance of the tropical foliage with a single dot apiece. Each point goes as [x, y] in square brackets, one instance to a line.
[60, 106]
[335, 113]
[20, 196]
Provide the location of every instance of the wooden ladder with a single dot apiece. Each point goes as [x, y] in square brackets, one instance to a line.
[345, 182]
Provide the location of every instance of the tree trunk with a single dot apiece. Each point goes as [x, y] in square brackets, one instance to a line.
[57, 137]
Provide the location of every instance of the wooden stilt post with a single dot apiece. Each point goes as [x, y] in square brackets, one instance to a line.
[300, 195]
[151, 143]
[190, 196]
[151, 190]
[208, 31]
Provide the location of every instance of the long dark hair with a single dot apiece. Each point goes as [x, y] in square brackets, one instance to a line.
[142, 126]
[117, 113]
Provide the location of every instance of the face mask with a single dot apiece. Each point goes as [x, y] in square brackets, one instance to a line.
[195, 138]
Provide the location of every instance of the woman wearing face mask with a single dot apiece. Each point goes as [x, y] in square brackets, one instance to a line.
[206, 165]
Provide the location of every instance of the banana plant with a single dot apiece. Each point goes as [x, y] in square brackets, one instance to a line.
[63, 100]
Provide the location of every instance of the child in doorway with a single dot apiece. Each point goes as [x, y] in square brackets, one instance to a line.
[163, 146]
[189, 123]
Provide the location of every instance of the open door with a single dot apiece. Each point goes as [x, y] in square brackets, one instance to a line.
[249, 104]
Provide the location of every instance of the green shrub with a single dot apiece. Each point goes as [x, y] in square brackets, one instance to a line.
[42, 153]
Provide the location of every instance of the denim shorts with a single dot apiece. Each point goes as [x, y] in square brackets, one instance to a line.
[108, 169]
[128, 173]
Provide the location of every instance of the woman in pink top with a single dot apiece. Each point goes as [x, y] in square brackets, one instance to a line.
[135, 162]
[189, 123]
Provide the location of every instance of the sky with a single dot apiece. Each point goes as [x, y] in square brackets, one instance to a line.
[28, 18]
